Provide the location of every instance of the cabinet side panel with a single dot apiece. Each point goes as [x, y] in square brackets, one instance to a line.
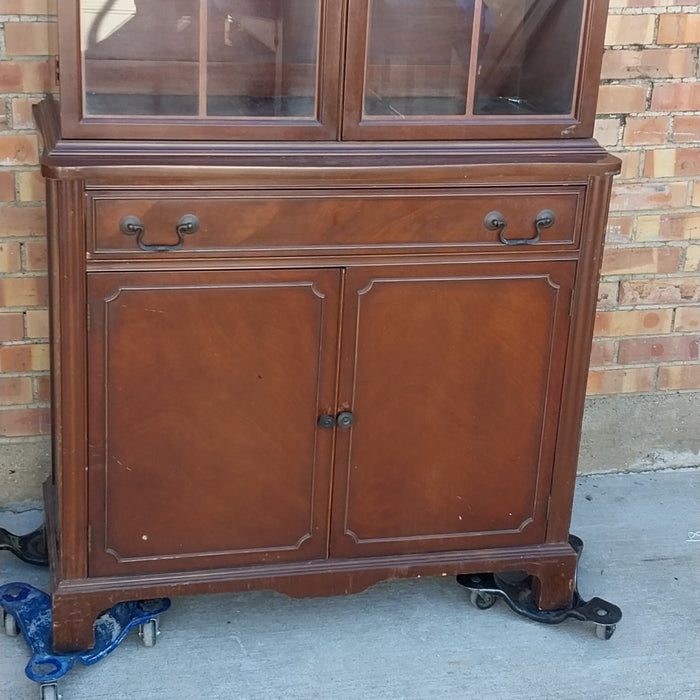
[66, 238]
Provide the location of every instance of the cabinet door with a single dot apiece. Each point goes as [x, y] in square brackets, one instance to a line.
[472, 69]
[222, 69]
[204, 392]
[453, 375]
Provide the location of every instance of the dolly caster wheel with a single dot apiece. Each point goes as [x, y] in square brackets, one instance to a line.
[482, 600]
[604, 631]
[148, 631]
[49, 691]
[9, 624]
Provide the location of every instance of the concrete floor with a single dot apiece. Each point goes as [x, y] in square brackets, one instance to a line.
[421, 638]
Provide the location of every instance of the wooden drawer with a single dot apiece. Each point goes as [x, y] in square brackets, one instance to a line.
[390, 220]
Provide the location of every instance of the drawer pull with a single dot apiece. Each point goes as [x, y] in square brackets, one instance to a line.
[131, 225]
[494, 221]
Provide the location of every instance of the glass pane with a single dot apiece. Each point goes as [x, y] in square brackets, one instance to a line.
[273, 45]
[255, 58]
[528, 56]
[140, 56]
[418, 57]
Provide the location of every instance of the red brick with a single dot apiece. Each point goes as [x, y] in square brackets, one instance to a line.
[621, 99]
[26, 77]
[607, 295]
[31, 185]
[22, 113]
[24, 358]
[659, 349]
[672, 162]
[18, 149]
[25, 422]
[35, 256]
[649, 195]
[11, 327]
[623, 30]
[678, 29]
[602, 352]
[15, 391]
[676, 97]
[24, 291]
[686, 128]
[619, 229]
[37, 323]
[621, 381]
[640, 63]
[668, 227]
[646, 130]
[621, 261]
[631, 162]
[10, 258]
[687, 319]
[679, 377]
[633, 322]
[692, 259]
[30, 38]
[660, 291]
[43, 389]
[29, 7]
[7, 187]
[22, 221]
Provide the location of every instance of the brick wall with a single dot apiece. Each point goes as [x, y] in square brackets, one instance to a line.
[26, 41]
[648, 322]
[649, 317]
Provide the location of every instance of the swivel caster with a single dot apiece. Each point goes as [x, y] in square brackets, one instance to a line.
[517, 590]
[149, 631]
[482, 600]
[9, 624]
[49, 691]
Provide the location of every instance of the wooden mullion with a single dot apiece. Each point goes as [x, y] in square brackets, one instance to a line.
[474, 57]
[203, 56]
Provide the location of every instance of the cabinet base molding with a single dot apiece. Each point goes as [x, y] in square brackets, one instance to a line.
[78, 602]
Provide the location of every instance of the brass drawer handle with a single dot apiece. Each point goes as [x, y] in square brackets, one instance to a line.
[494, 221]
[131, 225]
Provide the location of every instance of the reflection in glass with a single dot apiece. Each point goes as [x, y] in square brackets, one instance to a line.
[273, 45]
[528, 65]
[418, 57]
[203, 58]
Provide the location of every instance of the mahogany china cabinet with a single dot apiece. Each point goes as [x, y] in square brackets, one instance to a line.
[323, 278]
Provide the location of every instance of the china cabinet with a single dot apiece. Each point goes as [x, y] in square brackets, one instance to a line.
[323, 277]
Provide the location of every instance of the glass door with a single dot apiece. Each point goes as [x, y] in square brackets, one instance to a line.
[213, 68]
[467, 68]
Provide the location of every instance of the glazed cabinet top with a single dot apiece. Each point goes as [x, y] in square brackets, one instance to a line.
[352, 70]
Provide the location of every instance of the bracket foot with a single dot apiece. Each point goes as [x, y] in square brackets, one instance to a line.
[517, 591]
[31, 610]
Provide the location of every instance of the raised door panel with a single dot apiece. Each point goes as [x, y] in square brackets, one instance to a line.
[453, 375]
[204, 390]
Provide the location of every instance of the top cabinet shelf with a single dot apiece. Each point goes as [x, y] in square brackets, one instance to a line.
[274, 70]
